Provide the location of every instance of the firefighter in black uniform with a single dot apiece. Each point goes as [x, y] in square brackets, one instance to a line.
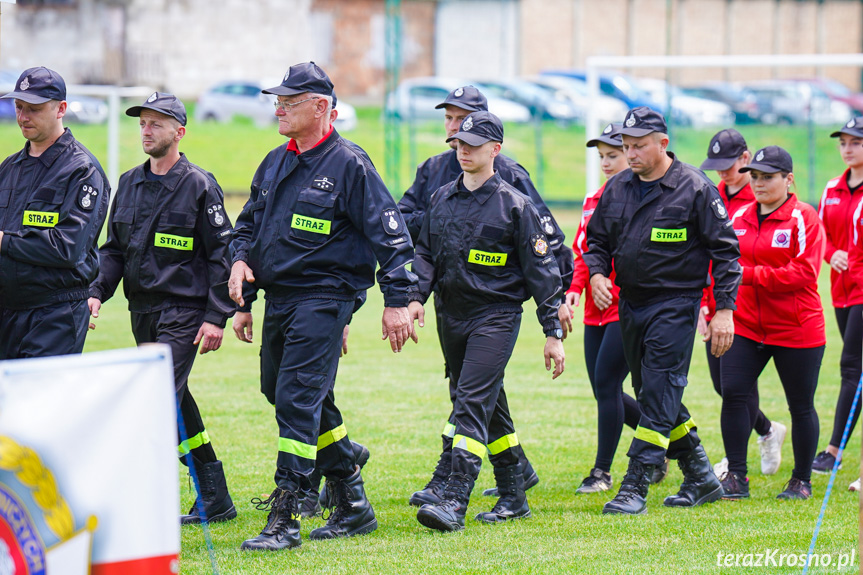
[660, 224]
[169, 240]
[318, 218]
[431, 175]
[484, 251]
[53, 202]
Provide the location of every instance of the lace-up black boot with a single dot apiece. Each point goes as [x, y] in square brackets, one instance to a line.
[632, 497]
[700, 485]
[433, 490]
[283, 523]
[513, 502]
[530, 479]
[448, 514]
[352, 514]
[309, 502]
[214, 495]
[361, 456]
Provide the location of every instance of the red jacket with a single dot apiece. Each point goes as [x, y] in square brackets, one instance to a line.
[778, 301]
[742, 198]
[581, 275]
[835, 210]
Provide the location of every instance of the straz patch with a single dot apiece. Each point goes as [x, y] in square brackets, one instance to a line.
[216, 215]
[87, 198]
[539, 244]
[718, 208]
[309, 224]
[486, 258]
[781, 239]
[41, 219]
[663, 235]
[181, 243]
[324, 183]
[392, 222]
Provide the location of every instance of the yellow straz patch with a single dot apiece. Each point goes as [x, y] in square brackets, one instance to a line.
[174, 242]
[661, 235]
[311, 224]
[41, 219]
[486, 258]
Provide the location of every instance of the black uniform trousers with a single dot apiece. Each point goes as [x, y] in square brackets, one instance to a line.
[177, 328]
[657, 340]
[299, 359]
[477, 351]
[850, 320]
[56, 329]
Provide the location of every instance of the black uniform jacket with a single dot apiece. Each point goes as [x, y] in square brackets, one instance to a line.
[51, 213]
[317, 222]
[662, 245]
[486, 250]
[168, 240]
[444, 168]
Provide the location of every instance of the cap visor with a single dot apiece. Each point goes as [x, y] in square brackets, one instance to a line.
[135, 111]
[458, 105]
[848, 131]
[635, 132]
[604, 140]
[470, 139]
[284, 91]
[717, 163]
[766, 168]
[25, 97]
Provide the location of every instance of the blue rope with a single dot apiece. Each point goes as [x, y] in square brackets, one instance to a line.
[199, 500]
[833, 476]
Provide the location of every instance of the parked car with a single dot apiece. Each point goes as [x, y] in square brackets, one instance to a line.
[80, 109]
[616, 85]
[688, 110]
[747, 106]
[794, 102]
[608, 109]
[837, 91]
[544, 102]
[416, 98]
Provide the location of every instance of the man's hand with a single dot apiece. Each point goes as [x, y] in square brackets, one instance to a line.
[209, 336]
[93, 303]
[601, 287]
[720, 332]
[345, 341]
[417, 313]
[243, 326]
[701, 326]
[396, 326]
[240, 272]
[564, 314]
[554, 351]
[838, 261]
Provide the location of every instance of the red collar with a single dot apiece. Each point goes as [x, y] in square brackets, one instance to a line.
[292, 145]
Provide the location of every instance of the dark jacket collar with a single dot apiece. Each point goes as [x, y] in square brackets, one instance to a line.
[169, 180]
[52, 153]
[482, 193]
[669, 180]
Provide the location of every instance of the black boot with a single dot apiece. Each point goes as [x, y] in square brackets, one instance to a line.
[433, 490]
[283, 523]
[513, 502]
[530, 479]
[700, 485]
[352, 514]
[309, 503]
[632, 497]
[214, 495]
[448, 514]
[361, 456]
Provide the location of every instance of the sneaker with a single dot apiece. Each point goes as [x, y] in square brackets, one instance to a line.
[597, 481]
[734, 487]
[824, 462]
[660, 472]
[721, 468]
[796, 489]
[771, 448]
[855, 486]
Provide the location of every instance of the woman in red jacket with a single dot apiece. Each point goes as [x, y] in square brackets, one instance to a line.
[727, 153]
[841, 197]
[778, 316]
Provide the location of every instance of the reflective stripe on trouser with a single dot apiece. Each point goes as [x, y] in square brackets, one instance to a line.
[659, 337]
[299, 360]
[477, 351]
[193, 442]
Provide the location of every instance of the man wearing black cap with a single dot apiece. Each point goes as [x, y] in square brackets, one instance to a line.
[431, 175]
[318, 220]
[53, 202]
[483, 249]
[168, 240]
[660, 224]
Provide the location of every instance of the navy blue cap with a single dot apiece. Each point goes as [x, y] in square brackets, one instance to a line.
[38, 85]
[724, 149]
[641, 121]
[302, 78]
[479, 128]
[770, 160]
[610, 135]
[854, 127]
[467, 98]
[167, 104]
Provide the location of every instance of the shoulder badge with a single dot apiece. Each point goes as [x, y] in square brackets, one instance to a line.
[539, 244]
[718, 208]
[87, 197]
[392, 222]
[547, 226]
[324, 183]
[216, 215]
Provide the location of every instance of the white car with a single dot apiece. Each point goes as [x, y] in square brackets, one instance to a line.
[688, 110]
[609, 109]
[416, 98]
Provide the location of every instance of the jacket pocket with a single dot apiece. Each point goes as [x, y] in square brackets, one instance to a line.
[175, 236]
[313, 215]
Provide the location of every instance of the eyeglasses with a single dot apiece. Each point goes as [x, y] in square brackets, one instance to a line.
[286, 107]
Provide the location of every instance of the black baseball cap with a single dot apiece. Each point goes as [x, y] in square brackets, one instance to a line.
[641, 121]
[854, 127]
[467, 98]
[167, 104]
[770, 160]
[723, 150]
[479, 128]
[38, 85]
[302, 78]
[610, 135]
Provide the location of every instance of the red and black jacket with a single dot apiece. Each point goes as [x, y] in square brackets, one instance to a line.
[836, 211]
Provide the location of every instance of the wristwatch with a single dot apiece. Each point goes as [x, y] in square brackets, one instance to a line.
[558, 333]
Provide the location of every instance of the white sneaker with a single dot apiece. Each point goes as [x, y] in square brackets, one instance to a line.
[855, 486]
[771, 448]
[721, 468]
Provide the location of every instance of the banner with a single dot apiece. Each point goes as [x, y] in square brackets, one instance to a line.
[88, 465]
